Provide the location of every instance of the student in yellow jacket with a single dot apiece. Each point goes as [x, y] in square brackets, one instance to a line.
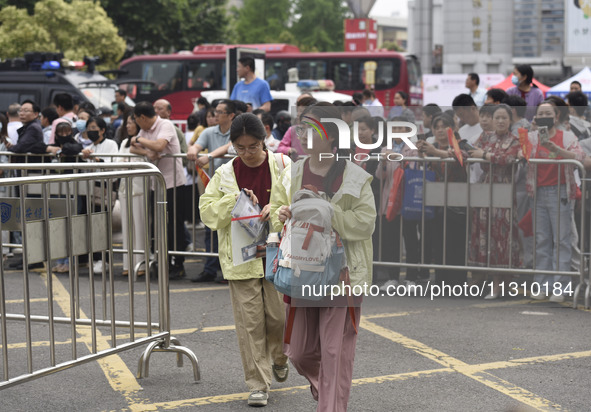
[258, 311]
[322, 345]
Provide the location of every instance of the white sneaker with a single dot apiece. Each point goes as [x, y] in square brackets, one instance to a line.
[189, 247]
[97, 267]
[258, 398]
[393, 283]
[557, 298]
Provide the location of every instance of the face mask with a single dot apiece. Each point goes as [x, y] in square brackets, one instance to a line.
[107, 120]
[93, 135]
[545, 121]
[81, 125]
[61, 140]
[515, 80]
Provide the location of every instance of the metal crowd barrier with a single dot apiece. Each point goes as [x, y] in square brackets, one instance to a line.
[442, 195]
[51, 230]
[446, 194]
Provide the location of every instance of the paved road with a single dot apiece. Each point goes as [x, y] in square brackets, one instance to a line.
[413, 354]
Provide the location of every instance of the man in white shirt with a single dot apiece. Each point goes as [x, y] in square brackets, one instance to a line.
[270, 142]
[375, 107]
[466, 110]
[477, 94]
[14, 123]
[156, 137]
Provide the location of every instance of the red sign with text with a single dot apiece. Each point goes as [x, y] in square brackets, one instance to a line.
[361, 35]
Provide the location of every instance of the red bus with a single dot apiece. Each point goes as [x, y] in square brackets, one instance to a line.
[181, 77]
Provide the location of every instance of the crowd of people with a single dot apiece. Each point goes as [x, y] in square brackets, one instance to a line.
[485, 124]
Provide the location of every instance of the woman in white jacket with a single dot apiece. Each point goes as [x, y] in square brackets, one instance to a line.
[138, 213]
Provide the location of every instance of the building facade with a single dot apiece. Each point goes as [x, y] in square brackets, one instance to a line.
[488, 36]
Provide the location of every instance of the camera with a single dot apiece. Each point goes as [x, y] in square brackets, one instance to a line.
[465, 146]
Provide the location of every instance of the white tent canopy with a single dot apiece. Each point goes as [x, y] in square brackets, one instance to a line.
[562, 89]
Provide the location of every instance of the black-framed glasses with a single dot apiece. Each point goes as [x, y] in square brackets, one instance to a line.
[250, 149]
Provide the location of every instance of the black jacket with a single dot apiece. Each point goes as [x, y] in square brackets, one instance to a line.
[30, 139]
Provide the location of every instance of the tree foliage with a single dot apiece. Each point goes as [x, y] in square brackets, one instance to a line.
[77, 29]
[313, 25]
[320, 25]
[153, 26]
[263, 21]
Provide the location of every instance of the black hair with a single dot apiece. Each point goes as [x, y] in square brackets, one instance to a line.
[576, 82]
[306, 101]
[518, 104]
[349, 104]
[203, 101]
[367, 93]
[463, 100]
[193, 121]
[100, 122]
[247, 124]
[144, 109]
[128, 117]
[527, 71]
[450, 113]
[561, 108]
[121, 92]
[328, 110]
[122, 107]
[36, 108]
[247, 61]
[59, 128]
[208, 111]
[4, 123]
[475, 77]
[369, 122]
[258, 111]
[267, 120]
[87, 107]
[230, 106]
[578, 101]
[357, 98]
[50, 114]
[403, 95]
[64, 100]
[498, 95]
[487, 109]
[431, 109]
[445, 118]
[505, 107]
[240, 106]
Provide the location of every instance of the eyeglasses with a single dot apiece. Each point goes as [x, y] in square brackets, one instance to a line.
[25, 111]
[302, 130]
[249, 149]
[220, 112]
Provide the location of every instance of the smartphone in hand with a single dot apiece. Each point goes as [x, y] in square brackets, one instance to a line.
[544, 134]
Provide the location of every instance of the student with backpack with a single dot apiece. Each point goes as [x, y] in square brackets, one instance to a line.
[258, 311]
[323, 337]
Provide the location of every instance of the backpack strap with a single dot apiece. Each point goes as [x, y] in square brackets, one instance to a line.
[289, 324]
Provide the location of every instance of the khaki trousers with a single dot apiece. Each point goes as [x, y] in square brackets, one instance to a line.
[259, 315]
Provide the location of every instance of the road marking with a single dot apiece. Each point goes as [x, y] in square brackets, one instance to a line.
[233, 397]
[118, 375]
[520, 394]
